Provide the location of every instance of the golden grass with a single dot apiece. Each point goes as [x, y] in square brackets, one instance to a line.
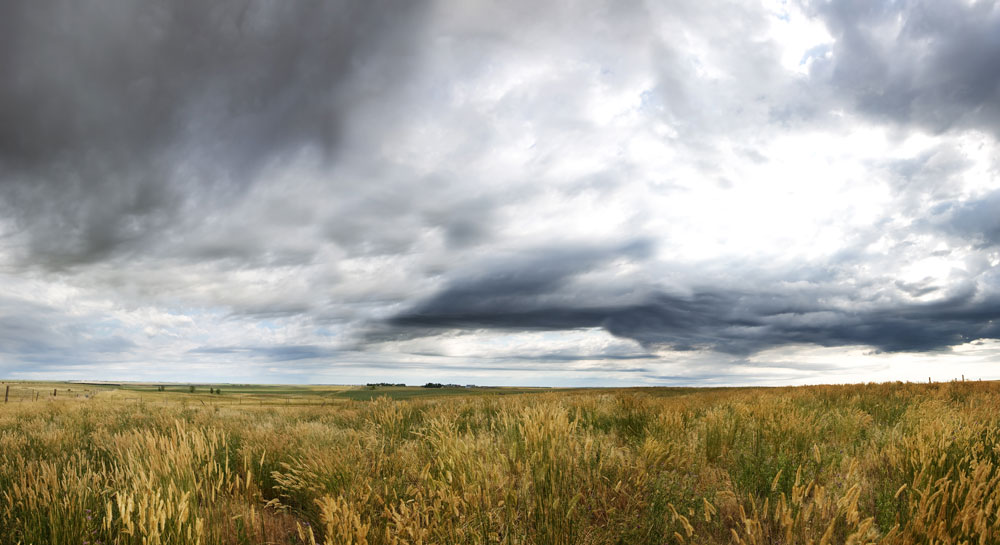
[879, 463]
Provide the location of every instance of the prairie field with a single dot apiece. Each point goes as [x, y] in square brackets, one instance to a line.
[892, 463]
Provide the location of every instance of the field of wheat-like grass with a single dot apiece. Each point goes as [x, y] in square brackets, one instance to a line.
[879, 463]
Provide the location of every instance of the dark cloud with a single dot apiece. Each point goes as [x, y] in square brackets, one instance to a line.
[917, 289]
[976, 221]
[930, 64]
[117, 118]
[736, 321]
[530, 290]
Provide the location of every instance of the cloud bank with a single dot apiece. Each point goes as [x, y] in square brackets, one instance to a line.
[598, 193]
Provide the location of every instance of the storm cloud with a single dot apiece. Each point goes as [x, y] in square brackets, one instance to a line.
[923, 63]
[564, 193]
[725, 320]
[120, 120]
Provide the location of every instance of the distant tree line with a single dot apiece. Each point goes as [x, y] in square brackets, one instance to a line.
[439, 385]
[191, 389]
[377, 384]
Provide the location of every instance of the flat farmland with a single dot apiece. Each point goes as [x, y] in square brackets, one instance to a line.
[156, 463]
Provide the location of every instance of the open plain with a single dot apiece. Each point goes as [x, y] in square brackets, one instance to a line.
[141, 464]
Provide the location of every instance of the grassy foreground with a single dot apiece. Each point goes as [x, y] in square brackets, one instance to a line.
[878, 463]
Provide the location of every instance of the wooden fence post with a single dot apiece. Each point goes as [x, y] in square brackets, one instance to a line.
[6, 393]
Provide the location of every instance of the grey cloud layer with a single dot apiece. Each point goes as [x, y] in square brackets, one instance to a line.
[120, 120]
[45, 337]
[931, 64]
[739, 320]
[977, 221]
[344, 177]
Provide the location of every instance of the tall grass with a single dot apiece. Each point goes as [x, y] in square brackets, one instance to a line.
[878, 463]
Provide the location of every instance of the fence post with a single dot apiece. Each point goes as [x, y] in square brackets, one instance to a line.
[6, 393]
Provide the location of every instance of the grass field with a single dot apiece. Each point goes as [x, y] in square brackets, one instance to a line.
[130, 464]
[237, 394]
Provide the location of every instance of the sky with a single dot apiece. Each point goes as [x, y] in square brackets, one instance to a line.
[585, 193]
